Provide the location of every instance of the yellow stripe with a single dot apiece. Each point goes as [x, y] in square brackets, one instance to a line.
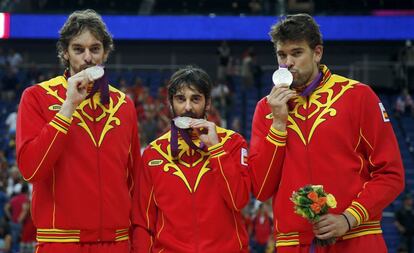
[57, 240]
[63, 118]
[277, 132]
[287, 243]
[54, 199]
[162, 226]
[218, 154]
[66, 127]
[122, 230]
[228, 186]
[367, 232]
[280, 144]
[237, 229]
[57, 127]
[365, 212]
[121, 238]
[40, 164]
[148, 206]
[267, 173]
[216, 146]
[356, 215]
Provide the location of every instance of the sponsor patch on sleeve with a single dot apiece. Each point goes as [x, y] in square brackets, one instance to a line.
[384, 113]
[243, 159]
[155, 162]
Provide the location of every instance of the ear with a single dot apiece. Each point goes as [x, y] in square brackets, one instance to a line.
[317, 53]
[66, 55]
[208, 105]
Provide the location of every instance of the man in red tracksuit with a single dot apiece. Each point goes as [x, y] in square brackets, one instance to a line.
[327, 130]
[79, 147]
[194, 182]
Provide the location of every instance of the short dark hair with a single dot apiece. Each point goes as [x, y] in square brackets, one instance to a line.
[297, 27]
[190, 76]
[76, 23]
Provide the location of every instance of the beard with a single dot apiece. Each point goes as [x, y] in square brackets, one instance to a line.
[300, 82]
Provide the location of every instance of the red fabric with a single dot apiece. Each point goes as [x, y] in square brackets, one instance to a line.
[192, 204]
[262, 229]
[28, 231]
[16, 204]
[104, 247]
[339, 138]
[82, 179]
[369, 243]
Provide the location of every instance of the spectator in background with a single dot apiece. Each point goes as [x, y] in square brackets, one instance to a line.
[11, 121]
[224, 55]
[14, 59]
[404, 103]
[4, 199]
[3, 59]
[10, 84]
[16, 212]
[255, 7]
[5, 237]
[262, 229]
[404, 221]
[28, 235]
[15, 181]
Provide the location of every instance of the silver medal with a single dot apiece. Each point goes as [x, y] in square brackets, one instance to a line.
[282, 76]
[95, 72]
[182, 122]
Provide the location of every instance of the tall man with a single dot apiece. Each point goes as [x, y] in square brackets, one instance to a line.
[326, 130]
[77, 142]
[194, 181]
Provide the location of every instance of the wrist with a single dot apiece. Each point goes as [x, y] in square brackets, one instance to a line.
[350, 219]
[278, 125]
[67, 109]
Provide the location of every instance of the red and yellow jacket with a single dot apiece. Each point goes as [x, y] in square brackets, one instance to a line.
[339, 137]
[82, 168]
[193, 203]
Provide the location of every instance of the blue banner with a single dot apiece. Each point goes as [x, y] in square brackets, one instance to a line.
[253, 28]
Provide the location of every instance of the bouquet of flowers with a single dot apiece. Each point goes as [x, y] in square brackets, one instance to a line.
[311, 201]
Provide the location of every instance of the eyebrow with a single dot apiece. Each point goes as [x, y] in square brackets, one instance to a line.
[80, 45]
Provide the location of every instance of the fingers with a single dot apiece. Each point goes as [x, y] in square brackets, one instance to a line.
[330, 226]
[280, 95]
[201, 123]
[80, 80]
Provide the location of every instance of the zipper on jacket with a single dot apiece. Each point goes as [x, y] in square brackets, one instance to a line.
[307, 141]
[193, 196]
[99, 171]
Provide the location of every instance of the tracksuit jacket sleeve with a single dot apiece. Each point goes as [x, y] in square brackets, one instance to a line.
[144, 210]
[379, 149]
[267, 151]
[229, 164]
[39, 141]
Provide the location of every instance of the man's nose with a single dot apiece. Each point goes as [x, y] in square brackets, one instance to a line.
[188, 106]
[289, 61]
[87, 56]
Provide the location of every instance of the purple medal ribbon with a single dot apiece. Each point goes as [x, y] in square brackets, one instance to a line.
[185, 135]
[311, 87]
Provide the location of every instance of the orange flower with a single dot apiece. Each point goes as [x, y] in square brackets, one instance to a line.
[322, 201]
[316, 208]
[313, 196]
